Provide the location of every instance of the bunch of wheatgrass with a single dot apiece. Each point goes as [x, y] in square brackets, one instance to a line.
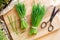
[37, 14]
[20, 7]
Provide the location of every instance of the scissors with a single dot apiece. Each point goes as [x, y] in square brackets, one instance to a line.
[50, 27]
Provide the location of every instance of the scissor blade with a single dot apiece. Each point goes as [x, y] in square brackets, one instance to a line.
[53, 14]
[56, 12]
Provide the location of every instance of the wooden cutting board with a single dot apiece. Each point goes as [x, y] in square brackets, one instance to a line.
[24, 35]
[41, 32]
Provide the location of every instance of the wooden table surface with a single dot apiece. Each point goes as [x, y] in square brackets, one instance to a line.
[42, 34]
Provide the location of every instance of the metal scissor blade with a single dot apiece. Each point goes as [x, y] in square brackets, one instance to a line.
[56, 12]
[53, 14]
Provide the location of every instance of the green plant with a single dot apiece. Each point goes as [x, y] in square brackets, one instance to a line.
[2, 34]
[3, 3]
[20, 7]
[38, 12]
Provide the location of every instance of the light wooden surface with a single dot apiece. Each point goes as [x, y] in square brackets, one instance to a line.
[42, 34]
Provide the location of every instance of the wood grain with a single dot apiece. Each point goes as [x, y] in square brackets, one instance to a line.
[25, 35]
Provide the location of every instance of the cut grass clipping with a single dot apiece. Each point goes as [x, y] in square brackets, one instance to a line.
[38, 12]
[20, 7]
[13, 23]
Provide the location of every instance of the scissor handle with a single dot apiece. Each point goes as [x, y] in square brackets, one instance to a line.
[43, 25]
[50, 28]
